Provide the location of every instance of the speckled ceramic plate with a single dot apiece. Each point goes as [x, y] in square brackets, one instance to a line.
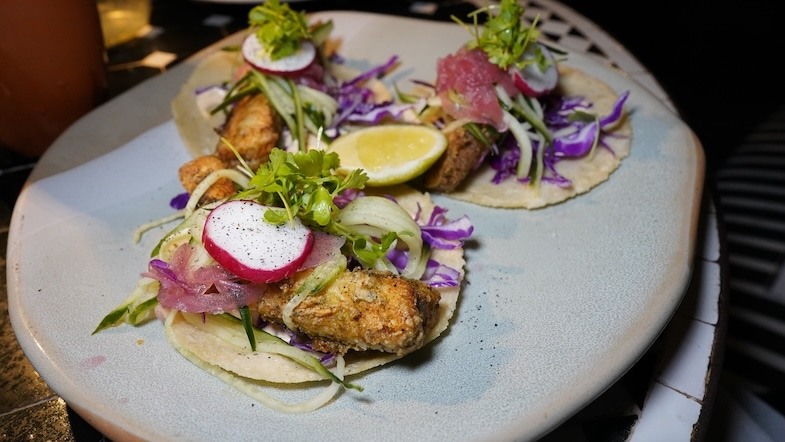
[558, 303]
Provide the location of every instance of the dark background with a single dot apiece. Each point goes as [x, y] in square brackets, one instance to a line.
[720, 62]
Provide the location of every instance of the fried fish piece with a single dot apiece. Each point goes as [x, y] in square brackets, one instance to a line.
[464, 152]
[253, 128]
[360, 310]
[193, 172]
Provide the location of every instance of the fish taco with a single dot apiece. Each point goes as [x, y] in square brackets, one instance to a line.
[494, 182]
[315, 283]
[524, 130]
[355, 315]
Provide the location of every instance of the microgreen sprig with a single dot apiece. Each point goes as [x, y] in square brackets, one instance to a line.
[279, 28]
[505, 36]
[302, 184]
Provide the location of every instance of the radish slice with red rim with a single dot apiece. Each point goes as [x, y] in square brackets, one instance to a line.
[256, 56]
[532, 80]
[237, 237]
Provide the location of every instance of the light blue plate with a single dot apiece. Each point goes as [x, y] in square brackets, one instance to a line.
[558, 304]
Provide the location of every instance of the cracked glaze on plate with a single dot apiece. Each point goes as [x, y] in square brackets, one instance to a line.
[557, 305]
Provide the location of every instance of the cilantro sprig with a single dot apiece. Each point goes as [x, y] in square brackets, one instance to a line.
[279, 28]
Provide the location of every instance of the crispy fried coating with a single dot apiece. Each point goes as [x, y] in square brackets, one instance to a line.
[360, 310]
[464, 152]
[253, 128]
[193, 172]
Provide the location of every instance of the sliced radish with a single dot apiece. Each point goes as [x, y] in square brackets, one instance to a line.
[532, 81]
[237, 236]
[254, 54]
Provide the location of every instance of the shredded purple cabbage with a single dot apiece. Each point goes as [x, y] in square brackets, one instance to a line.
[398, 258]
[356, 102]
[301, 341]
[347, 196]
[439, 233]
[436, 274]
[179, 201]
[376, 72]
[378, 113]
[440, 275]
[576, 144]
[617, 112]
[162, 268]
[566, 116]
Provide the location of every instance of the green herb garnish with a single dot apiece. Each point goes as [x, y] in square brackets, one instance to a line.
[245, 316]
[505, 36]
[279, 28]
[303, 184]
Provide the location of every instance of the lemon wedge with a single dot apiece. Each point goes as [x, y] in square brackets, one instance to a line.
[390, 153]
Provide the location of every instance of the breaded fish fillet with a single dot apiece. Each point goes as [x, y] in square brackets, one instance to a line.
[360, 310]
[193, 172]
[253, 128]
[464, 152]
